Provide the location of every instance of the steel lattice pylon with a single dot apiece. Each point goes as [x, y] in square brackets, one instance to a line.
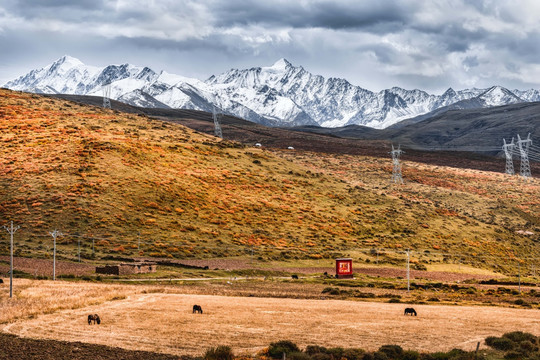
[106, 96]
[217, 125]
[508, 152]
[396, 171]
[525, 168]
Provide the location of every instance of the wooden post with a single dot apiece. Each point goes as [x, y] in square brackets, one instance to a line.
[519, 276]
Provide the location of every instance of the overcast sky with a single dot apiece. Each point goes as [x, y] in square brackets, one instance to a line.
[376, 44]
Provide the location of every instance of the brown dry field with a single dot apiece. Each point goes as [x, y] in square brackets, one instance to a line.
[163, 322]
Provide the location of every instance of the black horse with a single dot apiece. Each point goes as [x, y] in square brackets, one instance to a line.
[197, 309]
[95, 318]
[410, 311]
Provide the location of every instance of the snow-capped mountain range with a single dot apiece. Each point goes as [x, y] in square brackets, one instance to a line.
[278, 95]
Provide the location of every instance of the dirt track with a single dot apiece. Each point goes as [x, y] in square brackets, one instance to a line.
[164, 323]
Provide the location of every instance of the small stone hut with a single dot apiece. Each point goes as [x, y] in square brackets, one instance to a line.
[127, 268]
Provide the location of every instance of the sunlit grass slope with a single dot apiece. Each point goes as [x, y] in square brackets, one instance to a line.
[98, 173]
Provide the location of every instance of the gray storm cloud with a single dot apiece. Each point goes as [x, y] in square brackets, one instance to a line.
[412, 44]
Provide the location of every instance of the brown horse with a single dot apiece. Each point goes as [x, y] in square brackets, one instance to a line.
[197, 309]
[95, 318]
[410, 311]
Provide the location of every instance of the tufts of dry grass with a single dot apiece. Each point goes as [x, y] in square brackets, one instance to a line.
[32, 298]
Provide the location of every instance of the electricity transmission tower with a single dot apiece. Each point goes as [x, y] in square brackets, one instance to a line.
[106, 95]
[525, 168]
[217, 126]
[396, 171]
[11, 230]
[508, 152]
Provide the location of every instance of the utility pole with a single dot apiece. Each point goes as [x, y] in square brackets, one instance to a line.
[408, 272]
[55, 234]
[525, 168]
[217, 126]
[508, 152]
[396, 171]
[519, 275]
[11, 230]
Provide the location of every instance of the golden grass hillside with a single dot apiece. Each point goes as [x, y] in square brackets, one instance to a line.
[120, 178]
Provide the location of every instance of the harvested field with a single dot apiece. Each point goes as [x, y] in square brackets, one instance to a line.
[164, 323]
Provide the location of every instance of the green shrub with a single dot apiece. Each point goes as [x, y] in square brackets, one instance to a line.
[519, 336]
[315, 349]
[220, 352]
[500, 343]
[297, 355]
[321, 356]
[353, 354]
[392, 351]
[331, 291]
[394, 300]
[527, 347]
[276, 350]
[410, 355]
[513, 355]
[336, 353]
[380, 356]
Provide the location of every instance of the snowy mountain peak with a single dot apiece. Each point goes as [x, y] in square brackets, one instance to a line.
[281, 65]
[63, 65]
[68, 61]
[497, 95]
[449, 93]
[277, 95]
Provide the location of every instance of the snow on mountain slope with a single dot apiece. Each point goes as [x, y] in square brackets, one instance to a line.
[497, 95]
[276, 95]
[65, 75]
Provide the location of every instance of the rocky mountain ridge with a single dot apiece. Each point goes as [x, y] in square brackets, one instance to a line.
[278, 95]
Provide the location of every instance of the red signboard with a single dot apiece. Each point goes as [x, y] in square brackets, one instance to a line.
[344, 268]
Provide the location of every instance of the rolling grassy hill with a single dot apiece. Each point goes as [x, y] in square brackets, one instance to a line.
[121, 178]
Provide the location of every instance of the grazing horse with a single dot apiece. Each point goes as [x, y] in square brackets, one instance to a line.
[410, 311]
[197, 309]
[95, 318]
[294, 276]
